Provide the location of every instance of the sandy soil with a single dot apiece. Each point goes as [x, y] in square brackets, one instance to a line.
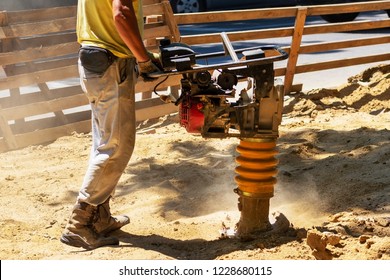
[333, 186]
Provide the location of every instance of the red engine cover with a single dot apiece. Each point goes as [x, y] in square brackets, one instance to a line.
[191, 116]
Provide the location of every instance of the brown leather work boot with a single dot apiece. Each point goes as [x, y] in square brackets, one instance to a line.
[105, 223]
[80, 232]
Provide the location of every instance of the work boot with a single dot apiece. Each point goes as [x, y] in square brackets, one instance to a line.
[105, 223]
[80, 231]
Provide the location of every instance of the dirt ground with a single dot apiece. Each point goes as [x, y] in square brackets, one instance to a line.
[333, 186]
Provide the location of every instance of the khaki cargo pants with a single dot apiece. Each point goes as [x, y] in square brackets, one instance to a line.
[112, 99]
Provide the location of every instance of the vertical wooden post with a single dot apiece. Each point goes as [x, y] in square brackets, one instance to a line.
[170, 20]
[295, 46]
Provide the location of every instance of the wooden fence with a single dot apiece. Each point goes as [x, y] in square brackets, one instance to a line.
[40, 97]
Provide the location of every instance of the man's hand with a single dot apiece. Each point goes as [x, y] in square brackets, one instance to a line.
[146, 68]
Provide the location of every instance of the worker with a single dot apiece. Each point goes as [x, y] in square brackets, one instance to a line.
[111, 55]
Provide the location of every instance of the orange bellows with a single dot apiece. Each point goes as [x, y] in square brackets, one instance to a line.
[257, 168]
[255, 180]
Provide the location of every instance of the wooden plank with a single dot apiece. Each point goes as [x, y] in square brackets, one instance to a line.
[151, 2]
[154, 9]
[346, 27]
[10, 140]
[237, 15]
[159, 31]
[45, 65]
[281, 71]
[341, 63]
[171, 22]
[49, 121]
[50, 134]
[148, 21]
[294, 51]
[348, 8]
[34, 15]
[155, 111]
[37, 28]
[32, 54]
[36, 97]
[320, 47]
[39, 77]
[48, 106]
[49, 39]
[153, 22]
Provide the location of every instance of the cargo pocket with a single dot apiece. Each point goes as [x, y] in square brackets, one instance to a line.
[95, 61]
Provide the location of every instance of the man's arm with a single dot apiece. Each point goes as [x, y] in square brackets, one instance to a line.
[127, 26]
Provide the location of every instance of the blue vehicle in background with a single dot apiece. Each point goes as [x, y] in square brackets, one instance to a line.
[194, 6]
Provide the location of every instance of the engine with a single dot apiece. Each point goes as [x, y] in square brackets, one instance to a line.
[233, 99]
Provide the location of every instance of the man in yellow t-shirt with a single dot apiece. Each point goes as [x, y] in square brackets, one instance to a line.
[110, 35]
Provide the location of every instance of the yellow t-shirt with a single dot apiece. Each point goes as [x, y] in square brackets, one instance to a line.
[95, 26]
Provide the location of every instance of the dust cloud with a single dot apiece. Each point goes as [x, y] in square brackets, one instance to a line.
[302, 208]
